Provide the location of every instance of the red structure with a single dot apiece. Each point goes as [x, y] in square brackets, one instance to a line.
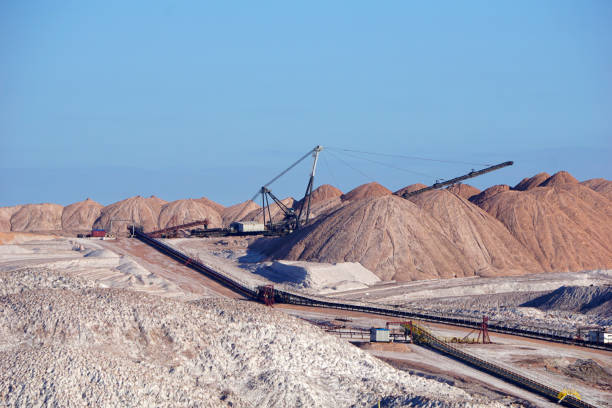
[266, 294]
[483, 331]
[98, 233]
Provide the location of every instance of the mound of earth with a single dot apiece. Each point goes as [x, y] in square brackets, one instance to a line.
[558, 179]
[488, 193]
[324, 199]
[531, 182]
[5, 217]
[37, 217]
[479, 236]
[323, 193]
[275, 211]
[600, 185]
[321, 277]
[137, 210]
[581, 299]
[111, 347]
[567, 227]
[369, 190]
[588, 370]
[463, 190]
[212, 204]
[238, 211]
[80, 216]
[409, 189]
[396, 239]
[184, 211]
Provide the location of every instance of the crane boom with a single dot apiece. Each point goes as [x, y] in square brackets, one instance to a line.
[455, 180]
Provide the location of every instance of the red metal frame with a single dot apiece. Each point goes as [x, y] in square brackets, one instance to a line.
[484, 331]
[266, 294]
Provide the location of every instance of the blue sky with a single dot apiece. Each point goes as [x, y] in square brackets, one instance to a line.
[187, 99]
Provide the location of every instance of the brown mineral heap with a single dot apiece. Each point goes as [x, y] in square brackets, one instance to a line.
[488, 193]
[600, 185]
[396, 239]
[138, 210]
[80, 216]
[557, 179]
[323, 193]
[410, 189]
[567, 226]
[237, 212]
[212, 204]
[37, 217]
[463, 190]
[479, 236]
[324, 199]
[531, 182]
[5, 217]
[369, 190]
[184, 211]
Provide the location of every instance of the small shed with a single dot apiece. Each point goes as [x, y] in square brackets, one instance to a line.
[98, 233]
[379, 335]
[249, 226]
[600, 336]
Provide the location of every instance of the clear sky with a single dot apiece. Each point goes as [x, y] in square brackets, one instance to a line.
[184, 99]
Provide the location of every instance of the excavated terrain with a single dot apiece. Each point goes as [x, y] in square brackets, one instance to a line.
[397, 239]
[66, 343]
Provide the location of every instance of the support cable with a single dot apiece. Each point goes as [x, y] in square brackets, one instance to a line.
[391, 166]
[351, 167]
[410, 157]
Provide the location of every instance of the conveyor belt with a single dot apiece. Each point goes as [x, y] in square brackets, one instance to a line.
[231, 283]
[424, 337]
[285, 296]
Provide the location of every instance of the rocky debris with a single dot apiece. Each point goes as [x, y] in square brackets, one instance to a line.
[139, 210]
[409, 189]
[184, 211]
[90, 346]
[26, 279]
[557, 179]
[600, 185]
[37, 217]
[5, 217]
[531, 182]
[369, 190]
[238, 211]
[396, 239]
[463, 190]
[581, 299]
[589, 371]
[80, 216]
[567, 227]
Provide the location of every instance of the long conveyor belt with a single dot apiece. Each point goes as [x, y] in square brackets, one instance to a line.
[423, 336]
